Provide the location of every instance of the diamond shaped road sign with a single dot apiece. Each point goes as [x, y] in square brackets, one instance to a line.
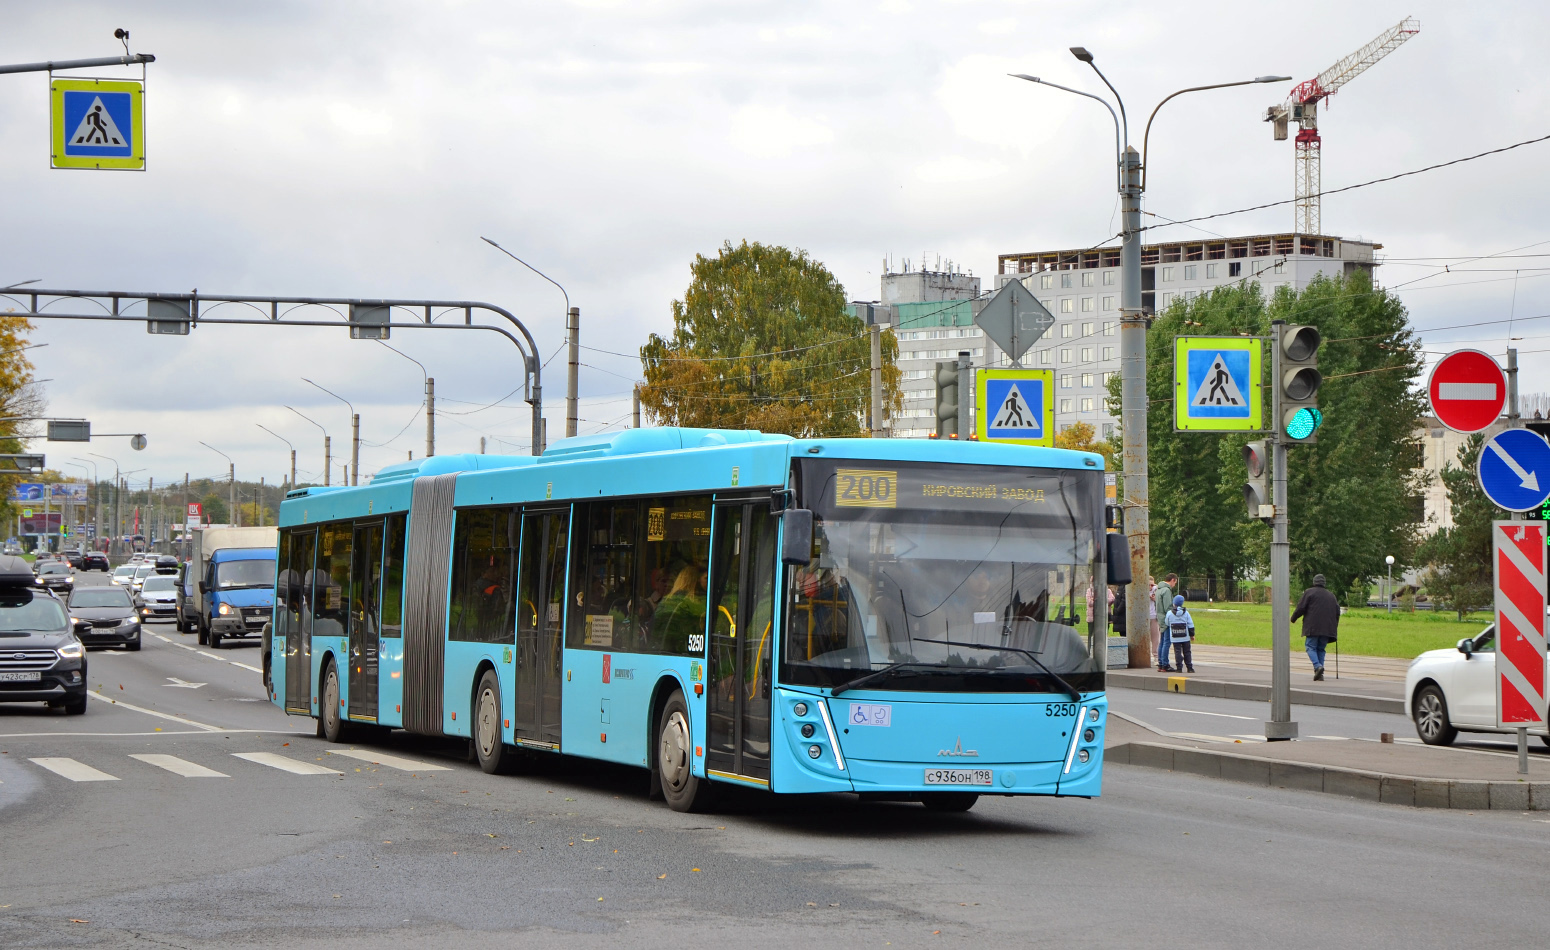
[1014, 319]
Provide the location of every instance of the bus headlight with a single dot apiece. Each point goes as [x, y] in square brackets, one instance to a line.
[1092, 714]
[801, 710]
[1089, 735]
[807, 730]
[1083, 755]
[814, 751]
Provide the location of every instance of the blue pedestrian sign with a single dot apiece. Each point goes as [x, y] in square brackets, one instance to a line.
[1216, 383]
[1015, 405]
[1514, 469]
[98, 123]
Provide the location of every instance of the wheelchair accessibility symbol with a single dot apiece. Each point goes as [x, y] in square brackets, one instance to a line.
[871, 714]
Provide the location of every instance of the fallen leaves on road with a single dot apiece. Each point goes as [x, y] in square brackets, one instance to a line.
[76, 920]
[661, 877]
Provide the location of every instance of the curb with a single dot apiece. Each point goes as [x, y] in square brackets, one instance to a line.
[1253, 691]
[1333, 780]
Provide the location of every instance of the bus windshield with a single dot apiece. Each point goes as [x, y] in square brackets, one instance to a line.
[956, 576]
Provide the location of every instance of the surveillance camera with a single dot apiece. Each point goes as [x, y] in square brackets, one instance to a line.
[121, 34]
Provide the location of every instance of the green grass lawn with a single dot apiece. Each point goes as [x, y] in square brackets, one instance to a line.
[1363, 632]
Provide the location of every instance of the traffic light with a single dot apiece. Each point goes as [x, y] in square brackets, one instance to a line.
[947, 397]
[1256, 491]
[1300, 381]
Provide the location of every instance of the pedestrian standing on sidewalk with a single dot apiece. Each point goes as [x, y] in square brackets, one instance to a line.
[1320, 614]
[1179, 627]
[1162, 601]
[1159, 652]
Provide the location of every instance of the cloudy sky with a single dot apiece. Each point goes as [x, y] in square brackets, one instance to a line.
[361, 150]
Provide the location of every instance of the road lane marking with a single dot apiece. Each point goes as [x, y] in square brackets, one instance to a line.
[178, 766]
[73, 770]
[183, 684]
[277, 761]
[392, 761]
[1202, 712]
[212, 656]
[159, 715]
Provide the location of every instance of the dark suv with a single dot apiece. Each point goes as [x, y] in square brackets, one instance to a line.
[95, 561]
[41, 659]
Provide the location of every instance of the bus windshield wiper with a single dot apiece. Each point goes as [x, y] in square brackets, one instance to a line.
[1072, 691]
[876, 675]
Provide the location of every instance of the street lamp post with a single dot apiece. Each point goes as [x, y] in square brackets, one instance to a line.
[430, 401]
[288, 444]
[1389, 560]
[236, 514]
[355, 434]
[1132, 345]
[328, 459]
[573, 342]
[117, 507]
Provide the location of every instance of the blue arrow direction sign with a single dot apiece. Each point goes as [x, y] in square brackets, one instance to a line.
[1514, 469]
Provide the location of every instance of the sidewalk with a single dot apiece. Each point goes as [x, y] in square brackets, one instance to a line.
[1370, 683]
[1400, 773]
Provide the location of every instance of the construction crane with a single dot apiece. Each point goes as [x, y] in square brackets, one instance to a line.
[1303, 105]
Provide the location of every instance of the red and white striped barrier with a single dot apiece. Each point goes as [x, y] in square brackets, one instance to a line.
[1519, 556]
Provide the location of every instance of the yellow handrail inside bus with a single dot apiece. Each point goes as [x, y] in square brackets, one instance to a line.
[753, 687]
[730, 621]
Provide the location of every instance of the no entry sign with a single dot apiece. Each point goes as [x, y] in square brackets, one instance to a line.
[1519, 551]
[1467, 390]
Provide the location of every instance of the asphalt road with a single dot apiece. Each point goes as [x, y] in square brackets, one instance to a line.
[427, 850]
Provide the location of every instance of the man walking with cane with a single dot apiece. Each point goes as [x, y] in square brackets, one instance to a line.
[1320, 614]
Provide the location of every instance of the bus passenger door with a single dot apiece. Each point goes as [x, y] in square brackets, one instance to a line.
[365, 620]
[742, 604]
[540, 625]
[298, 627]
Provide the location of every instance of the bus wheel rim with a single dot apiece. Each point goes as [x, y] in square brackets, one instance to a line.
[675, 751]
[487, 723]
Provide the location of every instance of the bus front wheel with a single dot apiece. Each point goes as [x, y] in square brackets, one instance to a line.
[683, 790]
[493, 755]
[330, 723]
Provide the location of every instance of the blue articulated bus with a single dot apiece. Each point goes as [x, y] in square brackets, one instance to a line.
[899, 618]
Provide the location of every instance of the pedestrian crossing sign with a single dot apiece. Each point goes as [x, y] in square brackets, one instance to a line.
[98, 123]
[1216, 384]
[1015, 405]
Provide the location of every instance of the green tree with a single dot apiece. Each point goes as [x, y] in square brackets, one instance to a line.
[762, 341]
[1352, 493]
[20, 397]
[1458, 559]
[214, 510]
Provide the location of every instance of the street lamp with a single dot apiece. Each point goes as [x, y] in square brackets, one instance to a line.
[328, 458]
[1390, 598]
[96, 480]
[355, 431]
[1133, 412]
[430, 401]
[83, 468]
[118, 507]
[287, 442]
[236, 515]
[573, 340]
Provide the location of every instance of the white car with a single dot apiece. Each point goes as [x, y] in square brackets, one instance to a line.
[123, 574]
[1453, 691]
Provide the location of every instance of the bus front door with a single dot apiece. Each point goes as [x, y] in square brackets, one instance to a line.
[298, 630]
[742, 605]
[540, 626]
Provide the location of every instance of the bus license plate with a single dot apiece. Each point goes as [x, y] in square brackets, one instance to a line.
[957, 776]
[20, 677]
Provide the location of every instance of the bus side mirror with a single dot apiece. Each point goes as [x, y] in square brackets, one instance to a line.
[1117, 548]
[797, 539]
[1114, 517]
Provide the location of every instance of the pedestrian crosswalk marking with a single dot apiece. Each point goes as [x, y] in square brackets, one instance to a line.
[73, 770]
[276, 761]
[179, 766]
[392, 761]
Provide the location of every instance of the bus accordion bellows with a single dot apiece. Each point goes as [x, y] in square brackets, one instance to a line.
[904, 618]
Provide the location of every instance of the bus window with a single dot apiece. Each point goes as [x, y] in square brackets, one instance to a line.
[482, 560]
[331, 581]
[393, 578]
[671, 600]
[606, 615]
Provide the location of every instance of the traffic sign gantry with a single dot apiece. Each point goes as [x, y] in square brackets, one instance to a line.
[1467, 390]
[1216, 383]
[1518, 550]
[1514, 469]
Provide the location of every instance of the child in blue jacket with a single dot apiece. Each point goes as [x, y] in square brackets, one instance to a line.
[1180, 628]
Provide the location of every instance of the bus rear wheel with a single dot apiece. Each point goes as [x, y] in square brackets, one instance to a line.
[494, 757]
[949, 801]
[330, 723]
[683, 790]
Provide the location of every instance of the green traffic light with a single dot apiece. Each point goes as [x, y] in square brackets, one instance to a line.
[1303, 422]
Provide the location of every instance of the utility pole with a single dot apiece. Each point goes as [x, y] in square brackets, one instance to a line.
[236, 513]
[430, 416]
[877, 381]
[1280, 726]
[481, 445]
[1132, 365]
[573, 334]
[260, 501]
[328, 460]
[355, 448]
[635, 405]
